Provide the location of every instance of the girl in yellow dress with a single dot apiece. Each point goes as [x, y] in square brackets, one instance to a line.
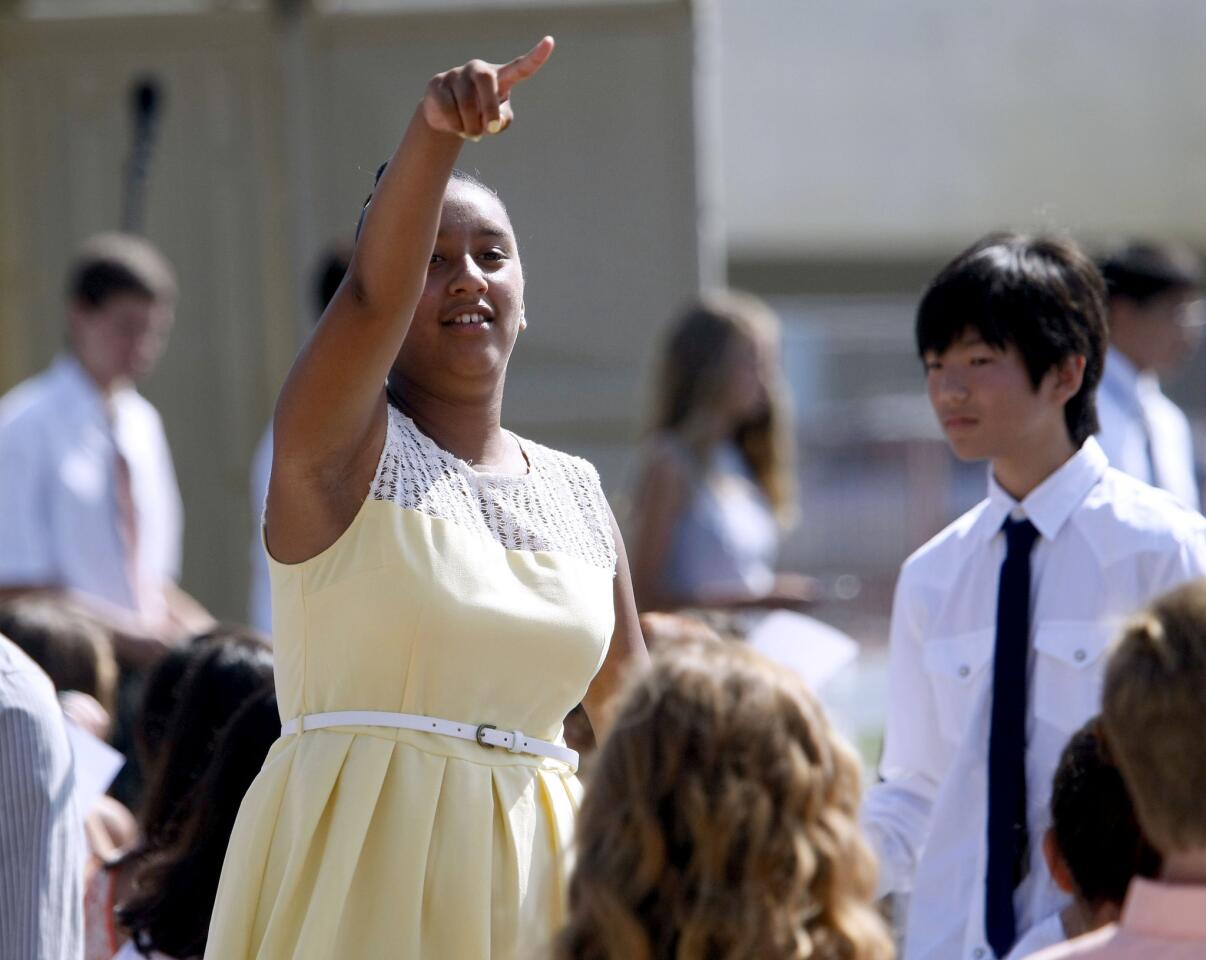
[444, 592]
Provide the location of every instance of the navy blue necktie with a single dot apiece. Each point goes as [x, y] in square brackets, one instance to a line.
[1008, 842]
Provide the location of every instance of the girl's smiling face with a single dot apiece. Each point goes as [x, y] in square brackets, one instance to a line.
[468, 316]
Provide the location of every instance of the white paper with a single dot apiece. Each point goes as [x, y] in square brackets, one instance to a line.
[96, 764]
[815, 650]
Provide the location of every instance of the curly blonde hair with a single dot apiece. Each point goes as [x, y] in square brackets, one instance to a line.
[720, 823]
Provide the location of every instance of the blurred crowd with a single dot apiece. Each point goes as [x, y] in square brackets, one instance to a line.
[723, 815]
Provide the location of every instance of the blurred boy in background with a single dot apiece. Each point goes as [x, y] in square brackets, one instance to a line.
[1156, 317]
[89, 507]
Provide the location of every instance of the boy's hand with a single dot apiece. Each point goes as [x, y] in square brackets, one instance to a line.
[473, 100]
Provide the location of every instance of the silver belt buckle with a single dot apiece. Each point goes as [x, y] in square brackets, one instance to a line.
[481, 729]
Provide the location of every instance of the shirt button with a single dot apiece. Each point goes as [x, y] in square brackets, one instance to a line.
[1079, 655]
[964, 670]
[978, 953]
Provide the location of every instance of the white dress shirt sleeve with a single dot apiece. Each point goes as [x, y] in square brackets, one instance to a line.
[1187, 562]
[26, 539]
[896, 811]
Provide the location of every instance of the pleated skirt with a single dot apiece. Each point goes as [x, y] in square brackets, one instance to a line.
[363, 843]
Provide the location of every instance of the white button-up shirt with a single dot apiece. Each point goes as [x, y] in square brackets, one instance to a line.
[1107, 545]
[60, 523]
[1132, 408]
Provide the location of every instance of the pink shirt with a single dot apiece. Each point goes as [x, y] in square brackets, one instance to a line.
[1160, 921]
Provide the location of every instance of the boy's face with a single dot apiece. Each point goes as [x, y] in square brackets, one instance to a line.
[1166, 329]
[985, 402]
[123, 337]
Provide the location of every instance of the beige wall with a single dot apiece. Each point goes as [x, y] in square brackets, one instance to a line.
[901, 129]
[270, 136]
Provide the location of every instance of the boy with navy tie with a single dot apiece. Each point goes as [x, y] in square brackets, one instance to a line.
[1000, 623]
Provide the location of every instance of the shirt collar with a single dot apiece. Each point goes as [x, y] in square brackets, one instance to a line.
[80, 392]
[1050, 504]
[1165, 910]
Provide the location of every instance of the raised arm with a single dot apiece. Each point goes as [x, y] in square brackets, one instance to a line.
[330, 417]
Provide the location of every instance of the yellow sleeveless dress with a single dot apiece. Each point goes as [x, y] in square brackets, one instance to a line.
[455, 594]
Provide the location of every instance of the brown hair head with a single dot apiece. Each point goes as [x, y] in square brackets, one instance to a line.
[1142, 269]
[721, 822]
[109, 264]
[75, 653]
[1093, 821]
[1154, 712]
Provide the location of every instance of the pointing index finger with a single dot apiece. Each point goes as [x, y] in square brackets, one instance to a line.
[519, 69]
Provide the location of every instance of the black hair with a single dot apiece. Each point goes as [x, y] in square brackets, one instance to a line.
[458, 175]
[1042, 294]
[1094, 822]
[158, 701]
[1141, 270]
[234, 665]
[177, 885]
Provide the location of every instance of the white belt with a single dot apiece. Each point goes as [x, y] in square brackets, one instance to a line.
[485, 734]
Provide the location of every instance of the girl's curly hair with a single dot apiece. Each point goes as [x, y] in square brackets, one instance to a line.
[720, 823]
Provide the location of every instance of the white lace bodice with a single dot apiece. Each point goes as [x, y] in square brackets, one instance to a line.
[557, 506]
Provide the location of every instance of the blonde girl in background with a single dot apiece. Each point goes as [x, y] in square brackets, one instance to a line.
[717, 488]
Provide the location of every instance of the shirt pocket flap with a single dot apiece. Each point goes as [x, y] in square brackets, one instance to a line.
[1075, 643]
[959, 656]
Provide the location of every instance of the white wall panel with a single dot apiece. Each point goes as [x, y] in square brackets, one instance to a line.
[856, 128]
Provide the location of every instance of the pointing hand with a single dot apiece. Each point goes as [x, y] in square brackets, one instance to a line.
[476, 99]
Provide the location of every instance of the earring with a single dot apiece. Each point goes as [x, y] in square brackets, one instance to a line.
[523, 321]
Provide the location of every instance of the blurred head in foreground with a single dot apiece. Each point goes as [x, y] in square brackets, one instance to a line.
[721, 822]
[1094, 846]
[176, 886]
[232, 665]
[1154, 712]
[75, 653]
